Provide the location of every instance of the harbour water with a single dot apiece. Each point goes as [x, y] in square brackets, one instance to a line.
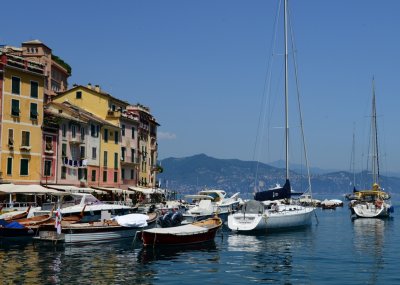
[335, 250]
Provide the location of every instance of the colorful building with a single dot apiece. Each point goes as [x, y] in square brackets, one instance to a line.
[108, 108]
[147, 145]
[21, 97]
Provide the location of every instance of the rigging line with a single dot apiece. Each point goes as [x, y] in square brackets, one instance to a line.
[299, 103]
[266, 94]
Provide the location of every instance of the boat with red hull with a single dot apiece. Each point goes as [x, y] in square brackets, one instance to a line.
[197, 232]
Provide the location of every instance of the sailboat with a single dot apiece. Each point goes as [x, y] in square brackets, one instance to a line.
[266, 211]
[375, 202]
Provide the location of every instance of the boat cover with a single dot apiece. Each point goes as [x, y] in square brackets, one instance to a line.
[11, 225]
[132, 220]
[180, 230]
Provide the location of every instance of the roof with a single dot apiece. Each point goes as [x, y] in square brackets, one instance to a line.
[95, 91]
[77, 114]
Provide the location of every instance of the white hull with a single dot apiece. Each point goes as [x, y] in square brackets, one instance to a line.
[285, 218]
[369, 210]
[87, 237]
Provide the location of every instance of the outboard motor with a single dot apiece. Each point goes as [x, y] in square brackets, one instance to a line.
[176, 218]
[165, 220]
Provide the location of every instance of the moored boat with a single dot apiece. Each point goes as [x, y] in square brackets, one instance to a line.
[119, 228]
[197, 232]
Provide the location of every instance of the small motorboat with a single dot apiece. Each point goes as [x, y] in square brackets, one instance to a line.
[197, 232]
[119, 227]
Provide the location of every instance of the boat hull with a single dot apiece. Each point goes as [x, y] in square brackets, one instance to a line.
[370, 210]
[271, 220]
[181, 235]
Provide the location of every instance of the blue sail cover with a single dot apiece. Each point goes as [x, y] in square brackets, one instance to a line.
[274, 194]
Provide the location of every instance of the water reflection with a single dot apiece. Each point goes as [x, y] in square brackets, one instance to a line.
[369, 240]
[150, 254]
[271, 256]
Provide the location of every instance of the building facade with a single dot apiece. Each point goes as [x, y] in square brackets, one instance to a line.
[22, 93]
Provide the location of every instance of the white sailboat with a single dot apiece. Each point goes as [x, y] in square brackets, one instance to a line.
[267, 212]
[373, 203]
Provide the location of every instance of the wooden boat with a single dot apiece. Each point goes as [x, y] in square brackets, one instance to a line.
[197, 232]
[96, 231]
[10, 216]
[28, 227]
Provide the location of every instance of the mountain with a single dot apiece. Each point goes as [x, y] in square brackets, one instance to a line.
[189, 175]
[299, 168]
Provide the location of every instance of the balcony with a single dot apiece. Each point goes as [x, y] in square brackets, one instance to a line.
[113, 114]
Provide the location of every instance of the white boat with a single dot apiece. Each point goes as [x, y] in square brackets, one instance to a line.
[119, 228]
[373, 203]
[95, 210]
[210, 202]
[276, 216]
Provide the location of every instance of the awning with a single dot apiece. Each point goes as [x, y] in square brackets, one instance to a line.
[147, 190]
[115, 190]
[74, 189]
[27, 189]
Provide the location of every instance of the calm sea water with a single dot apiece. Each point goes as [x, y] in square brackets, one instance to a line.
[333, 251]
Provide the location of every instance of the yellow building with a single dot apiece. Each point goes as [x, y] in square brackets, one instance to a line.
[21, 94]
[106, 107]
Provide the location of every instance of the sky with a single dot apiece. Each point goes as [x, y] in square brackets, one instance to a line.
[202, 68]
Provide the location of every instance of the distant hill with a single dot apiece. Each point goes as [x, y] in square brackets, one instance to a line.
[192, 174]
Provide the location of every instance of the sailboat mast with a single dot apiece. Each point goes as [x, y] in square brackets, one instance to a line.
[375, 161]
[286, 92]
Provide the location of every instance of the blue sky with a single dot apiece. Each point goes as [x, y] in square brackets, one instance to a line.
[201, 66]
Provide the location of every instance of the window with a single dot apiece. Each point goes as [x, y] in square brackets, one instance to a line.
[115, 177]
[82, 133]
[94, 130]
[131, 173]
[94, 153]
[80, 173]
[34, 112]
[15, 108]
[93, 175]
[64, 130]
[24, 167]
[63, 172]
[25, 138]
[105, 176]
[116, 137]
[123, 149]
[47, 168]
[132, 155]
[123, 173]
[74, 151]
[16, 85]
[73, 131]
[105, 135]
[49, 143]
[10, 137]
[123, 130]
[64, 150]
[34, 89]
[133, 132]
[9, 165]
[78, 94]
[115, 160]
[105, 158]
[83, 154]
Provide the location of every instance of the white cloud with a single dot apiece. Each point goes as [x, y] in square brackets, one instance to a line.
[166, 136]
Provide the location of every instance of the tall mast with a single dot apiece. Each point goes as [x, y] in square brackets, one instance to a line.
[286, 92]
[375, 159]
